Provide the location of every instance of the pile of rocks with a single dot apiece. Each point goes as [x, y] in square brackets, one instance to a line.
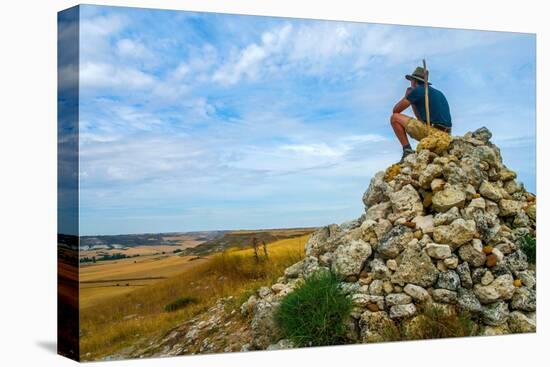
[443, 228]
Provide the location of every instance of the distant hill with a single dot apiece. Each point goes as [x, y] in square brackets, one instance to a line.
[243, 238]
[144, 239]
[213, 241]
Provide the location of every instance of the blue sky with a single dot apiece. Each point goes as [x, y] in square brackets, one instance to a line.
[198, 121]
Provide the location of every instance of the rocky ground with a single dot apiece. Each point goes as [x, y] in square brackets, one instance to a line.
[221, 328]
[443, 228]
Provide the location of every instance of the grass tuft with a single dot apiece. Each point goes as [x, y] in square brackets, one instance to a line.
[434, 322]
[315, 313]
[529, 247]
[179, 303]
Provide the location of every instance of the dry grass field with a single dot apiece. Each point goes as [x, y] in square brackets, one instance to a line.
[104, 279]
[112, 322]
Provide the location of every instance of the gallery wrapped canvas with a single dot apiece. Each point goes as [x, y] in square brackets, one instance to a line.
[230, 183]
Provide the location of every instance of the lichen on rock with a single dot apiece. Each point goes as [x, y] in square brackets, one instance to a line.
[437, 141]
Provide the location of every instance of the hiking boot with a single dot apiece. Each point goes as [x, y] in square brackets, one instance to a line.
[406, 152]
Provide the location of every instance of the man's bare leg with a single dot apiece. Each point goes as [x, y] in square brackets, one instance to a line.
[398, 123]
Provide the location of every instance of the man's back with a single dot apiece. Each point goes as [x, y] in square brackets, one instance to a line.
[439, 107]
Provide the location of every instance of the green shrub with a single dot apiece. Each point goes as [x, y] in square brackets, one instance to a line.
[434, 322]
[315, 313]
[529, 247]
[179, 303]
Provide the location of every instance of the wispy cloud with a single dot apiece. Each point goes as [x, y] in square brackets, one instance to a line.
[204, 121]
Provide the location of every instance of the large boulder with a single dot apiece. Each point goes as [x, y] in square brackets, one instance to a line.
[454, 174]
[473, 171]
[472, 255]
[459, 232]
[527, 278]
[467, 301]
[438, 251]
[263, 326]
[495, 314]
[485, 153]
[448, 280]
[431, 172]
[516, 261]
[463, 271]
[402, 311]
[483, 134]
[424, 223]
[519, 322]
[490, 191]
[447, 198]
[348, 259]
[394, 241]
[322, 240]
[418, 293]
[415, 267]
[378, 211]
[364, 300]
[446, 217]
[524, 299]
[393, 299]
[509, 207]
[377, 190]
[303, 268]
[502, 288]
[406, 203]
[379, 269]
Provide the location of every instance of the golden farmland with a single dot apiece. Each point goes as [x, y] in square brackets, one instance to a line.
[105, 279]
[116, 317]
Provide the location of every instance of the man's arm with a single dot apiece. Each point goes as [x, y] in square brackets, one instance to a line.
[411, 94]
[401, 106]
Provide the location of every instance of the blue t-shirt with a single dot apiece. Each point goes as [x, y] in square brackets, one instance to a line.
[439, 107]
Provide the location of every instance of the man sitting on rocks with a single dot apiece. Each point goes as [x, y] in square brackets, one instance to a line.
[440, 116]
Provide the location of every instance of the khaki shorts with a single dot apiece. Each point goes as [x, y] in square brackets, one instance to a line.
[417, 129]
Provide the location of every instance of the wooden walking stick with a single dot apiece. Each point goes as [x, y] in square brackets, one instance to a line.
[426, 93]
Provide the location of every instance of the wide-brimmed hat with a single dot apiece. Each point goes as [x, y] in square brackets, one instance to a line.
[418, 74]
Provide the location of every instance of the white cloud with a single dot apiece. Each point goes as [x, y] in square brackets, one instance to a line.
[248, 62]
[102, 25]
[314, 154]
[181, 71]
[96, 33]
[132, 49]
[327, 49]
[366, 138]
[317, 44]
[315, 149]
[101, 75]
[138, 158]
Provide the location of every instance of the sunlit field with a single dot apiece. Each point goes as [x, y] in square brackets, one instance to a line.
[113, 321]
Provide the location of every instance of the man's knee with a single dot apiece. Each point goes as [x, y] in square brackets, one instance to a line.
[394, 118]
[398, 119]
